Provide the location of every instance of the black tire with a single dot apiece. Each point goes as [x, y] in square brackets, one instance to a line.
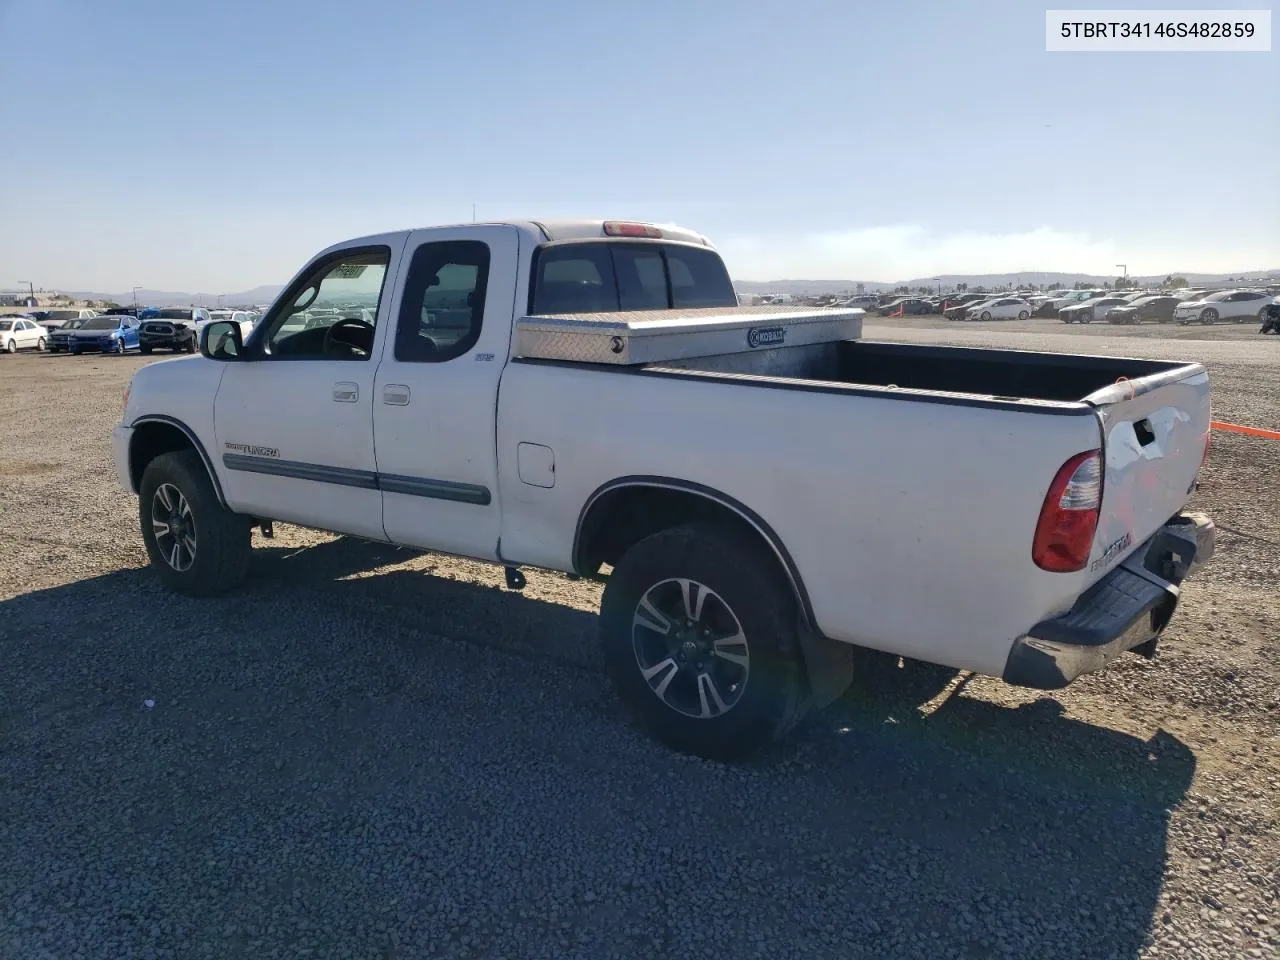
[119, 348]
[11, 346]
[1209, 316]
[1023, 315]
[736, 575]
[220, 560]
[145, 351]
[42, 345]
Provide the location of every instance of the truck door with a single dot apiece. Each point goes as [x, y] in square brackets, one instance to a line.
[294, 418]
[436, 391]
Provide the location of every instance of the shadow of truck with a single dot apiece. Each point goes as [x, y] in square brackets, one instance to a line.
[382, 763]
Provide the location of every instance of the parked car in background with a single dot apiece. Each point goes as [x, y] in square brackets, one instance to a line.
[60, 338]
[1152, 308]
[242, 317]
[107, 334]
[172, 328]
[960, 302]
[1271, 319]
[21, 333]
[1001, 308]
[56, 319]
[1091, 310]
[1238, 306]
[912, 306]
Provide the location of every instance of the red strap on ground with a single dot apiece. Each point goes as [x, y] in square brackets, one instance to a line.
[1248, 431]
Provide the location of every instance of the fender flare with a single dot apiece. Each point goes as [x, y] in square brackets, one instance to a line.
[744, 512]
[191, 438]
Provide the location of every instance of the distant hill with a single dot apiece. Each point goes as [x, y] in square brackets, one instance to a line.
[173, 298]
[1022, 278]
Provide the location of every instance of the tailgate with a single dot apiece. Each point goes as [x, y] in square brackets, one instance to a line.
[1155, 433]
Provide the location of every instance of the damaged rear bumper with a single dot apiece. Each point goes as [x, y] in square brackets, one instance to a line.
[1126, 610]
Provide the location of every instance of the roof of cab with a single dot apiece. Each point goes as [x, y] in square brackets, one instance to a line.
[548, 230]
[592, 229]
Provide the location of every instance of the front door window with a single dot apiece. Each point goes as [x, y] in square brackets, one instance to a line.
[331, 314]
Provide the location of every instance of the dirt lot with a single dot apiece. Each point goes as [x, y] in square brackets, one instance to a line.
[369, 753]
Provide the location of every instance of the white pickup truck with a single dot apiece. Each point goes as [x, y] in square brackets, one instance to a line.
[760, 489]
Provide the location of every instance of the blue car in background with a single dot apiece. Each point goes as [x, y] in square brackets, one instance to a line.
[107, 334]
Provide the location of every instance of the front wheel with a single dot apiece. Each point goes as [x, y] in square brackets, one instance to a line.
[1209, 316]
[145, 351]
[700, 642]
[196, 546]
[986, 315]
[11, 346]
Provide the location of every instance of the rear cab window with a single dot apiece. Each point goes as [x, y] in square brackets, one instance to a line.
[612, 276]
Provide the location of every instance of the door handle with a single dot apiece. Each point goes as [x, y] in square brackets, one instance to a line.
[344, 391]
[396, 394]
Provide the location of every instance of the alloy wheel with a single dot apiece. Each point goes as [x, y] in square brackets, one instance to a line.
[690, 648]
[174, 527]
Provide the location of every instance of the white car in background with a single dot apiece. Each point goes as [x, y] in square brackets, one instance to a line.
[1001, 308]
[1091, 310]
[1076, 296]
[242, 317]
[1239, 306]
[21, 333]
[56, 319]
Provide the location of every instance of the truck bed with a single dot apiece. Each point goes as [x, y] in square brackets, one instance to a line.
[996, 375]
[818, 345]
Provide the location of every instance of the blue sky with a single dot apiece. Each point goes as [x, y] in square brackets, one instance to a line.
[215, 146]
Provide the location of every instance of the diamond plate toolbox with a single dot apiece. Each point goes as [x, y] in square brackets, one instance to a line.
[655, 336]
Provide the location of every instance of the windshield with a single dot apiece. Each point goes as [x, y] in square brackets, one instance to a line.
[101, 323]
[600, 277]
[170, 314]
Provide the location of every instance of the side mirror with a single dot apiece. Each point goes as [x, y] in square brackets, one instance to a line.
[221, 340]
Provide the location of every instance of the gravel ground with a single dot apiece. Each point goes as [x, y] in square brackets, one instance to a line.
[373, 753]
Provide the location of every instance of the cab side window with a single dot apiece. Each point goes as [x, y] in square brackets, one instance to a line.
[442, 309]
[330, 314]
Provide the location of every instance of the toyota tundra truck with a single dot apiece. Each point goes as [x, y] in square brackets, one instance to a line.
[760, 489]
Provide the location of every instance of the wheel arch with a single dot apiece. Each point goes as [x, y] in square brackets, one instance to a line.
[624, 511]
[154, 435]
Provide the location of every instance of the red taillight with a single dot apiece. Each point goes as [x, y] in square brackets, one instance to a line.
[615, 228]
[1069, 517]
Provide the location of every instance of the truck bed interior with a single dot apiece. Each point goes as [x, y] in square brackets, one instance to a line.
[994, 373]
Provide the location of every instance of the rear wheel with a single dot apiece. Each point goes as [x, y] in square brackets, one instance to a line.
[118, 347]
[700, 642]
[197, 547]
[42, 345]
[1023, 315]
